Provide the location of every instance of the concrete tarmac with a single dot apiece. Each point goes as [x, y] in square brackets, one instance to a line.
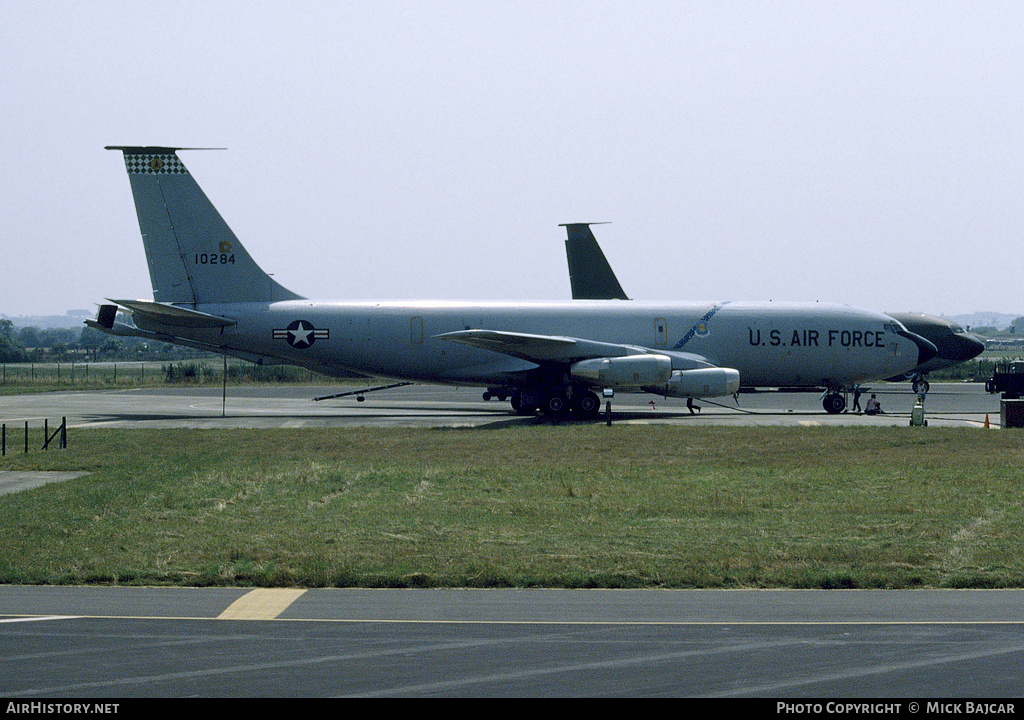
[115, 642]
[948, 404]
[233, 642]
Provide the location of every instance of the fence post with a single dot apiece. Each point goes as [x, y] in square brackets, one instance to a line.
[62, 430]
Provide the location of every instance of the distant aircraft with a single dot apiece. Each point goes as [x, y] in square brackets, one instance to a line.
[953, 343]
[590, 273]
[592, 278]
[208, 293]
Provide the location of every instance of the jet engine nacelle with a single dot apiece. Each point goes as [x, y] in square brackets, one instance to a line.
[625, 371]
[703, 382]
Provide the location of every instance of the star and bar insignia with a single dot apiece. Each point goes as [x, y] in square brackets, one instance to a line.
[301, 334]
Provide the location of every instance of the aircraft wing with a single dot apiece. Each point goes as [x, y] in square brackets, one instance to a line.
[540, 348]
[610, 365]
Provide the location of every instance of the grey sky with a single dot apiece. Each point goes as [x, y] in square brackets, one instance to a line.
[860, 152]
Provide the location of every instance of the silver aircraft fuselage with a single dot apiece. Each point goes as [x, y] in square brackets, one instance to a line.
[769, 343]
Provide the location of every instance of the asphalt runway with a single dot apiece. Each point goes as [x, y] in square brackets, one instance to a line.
[948, 404]
[111, 642]
[90, 642]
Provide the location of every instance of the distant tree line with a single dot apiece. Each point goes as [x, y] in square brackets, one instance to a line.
[1015, 329]
[33, 344]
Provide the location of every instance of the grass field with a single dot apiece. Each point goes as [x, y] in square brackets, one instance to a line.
[552, 506]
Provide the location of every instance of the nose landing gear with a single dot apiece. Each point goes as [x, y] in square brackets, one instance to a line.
[834, 403]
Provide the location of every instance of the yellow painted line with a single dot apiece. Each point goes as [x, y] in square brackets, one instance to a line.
[261, 604]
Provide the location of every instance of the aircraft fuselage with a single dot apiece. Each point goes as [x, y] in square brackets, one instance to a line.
[769, 343]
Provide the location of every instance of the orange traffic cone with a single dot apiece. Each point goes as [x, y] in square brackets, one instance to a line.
[986, 421]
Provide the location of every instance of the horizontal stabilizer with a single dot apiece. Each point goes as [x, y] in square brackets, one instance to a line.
[117, 328]
[121, 329]
[173, 315]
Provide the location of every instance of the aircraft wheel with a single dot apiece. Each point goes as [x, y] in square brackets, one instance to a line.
[834, 403]
[588, 405]
[522, 405]
[554, 405]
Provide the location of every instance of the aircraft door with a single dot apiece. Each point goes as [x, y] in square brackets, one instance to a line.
[416, 331]
[660, 331]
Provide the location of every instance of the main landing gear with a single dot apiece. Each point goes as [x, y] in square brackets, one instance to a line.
[577, 402]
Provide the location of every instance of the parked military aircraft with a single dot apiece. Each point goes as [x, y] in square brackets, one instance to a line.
[953, 343]
[592, 278]
[209, 293]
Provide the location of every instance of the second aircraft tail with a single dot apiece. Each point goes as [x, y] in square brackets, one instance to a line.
[194, 257]
[590, 273]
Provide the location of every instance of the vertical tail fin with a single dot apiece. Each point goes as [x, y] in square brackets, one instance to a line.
[193, 255]
[590, 273]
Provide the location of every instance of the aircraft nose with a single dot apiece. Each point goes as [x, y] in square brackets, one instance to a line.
[925, 349]
[968, 347]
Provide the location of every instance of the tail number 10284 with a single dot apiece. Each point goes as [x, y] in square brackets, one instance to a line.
[215, 258]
